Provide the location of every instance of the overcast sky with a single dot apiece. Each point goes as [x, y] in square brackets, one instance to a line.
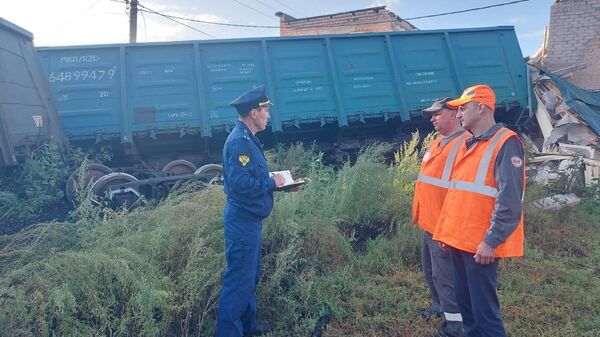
[75, 22]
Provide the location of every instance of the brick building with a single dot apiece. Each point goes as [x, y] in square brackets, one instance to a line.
[574, 41]
[374, 19]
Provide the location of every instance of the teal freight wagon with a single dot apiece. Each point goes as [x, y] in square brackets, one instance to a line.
[166, 104]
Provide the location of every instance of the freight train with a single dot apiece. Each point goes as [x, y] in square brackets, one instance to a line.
[162, 108]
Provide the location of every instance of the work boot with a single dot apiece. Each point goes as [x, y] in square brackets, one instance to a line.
[261, 329]
[428, 313]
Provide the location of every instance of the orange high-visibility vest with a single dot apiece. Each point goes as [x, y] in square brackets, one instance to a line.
[470, 201]
[433, 181]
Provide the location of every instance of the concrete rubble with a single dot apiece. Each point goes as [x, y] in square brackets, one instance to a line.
[556, 202]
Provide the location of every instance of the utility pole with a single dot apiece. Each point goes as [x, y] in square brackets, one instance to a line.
[133, 9]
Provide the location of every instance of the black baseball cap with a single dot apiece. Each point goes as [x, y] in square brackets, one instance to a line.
[438, 105]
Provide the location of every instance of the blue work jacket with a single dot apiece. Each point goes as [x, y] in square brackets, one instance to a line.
[247, 184]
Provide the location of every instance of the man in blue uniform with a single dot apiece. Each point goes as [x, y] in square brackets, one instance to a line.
[249, 191]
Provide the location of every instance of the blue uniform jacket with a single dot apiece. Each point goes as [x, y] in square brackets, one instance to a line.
[247, 184]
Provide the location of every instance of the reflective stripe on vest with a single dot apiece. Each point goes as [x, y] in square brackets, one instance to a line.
[479, 185]
[444, 182]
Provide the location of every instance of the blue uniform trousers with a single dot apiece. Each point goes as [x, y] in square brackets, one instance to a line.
[475, 286]
[439, 275]
[237, 304]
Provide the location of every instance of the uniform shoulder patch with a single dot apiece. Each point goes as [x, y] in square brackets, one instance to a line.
[516, 161]
[244, 159]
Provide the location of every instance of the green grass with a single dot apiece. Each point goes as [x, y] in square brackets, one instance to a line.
[343, 245]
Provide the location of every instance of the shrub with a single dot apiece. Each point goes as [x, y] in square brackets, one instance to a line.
[39, 183]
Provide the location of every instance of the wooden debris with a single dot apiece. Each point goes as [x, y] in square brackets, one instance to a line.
[550, 157]
[529, 144]
[592, 175]
[570, 146]
[586, 151]
[543, 118]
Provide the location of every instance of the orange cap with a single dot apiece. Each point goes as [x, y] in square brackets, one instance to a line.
[480, 93]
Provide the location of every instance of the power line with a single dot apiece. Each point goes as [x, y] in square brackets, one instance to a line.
[290, 8]
[266, 5]
[170, 17]
[265, 26]
[148, 10]
[174, 17]
[218, 23]
[276, 27]
[145, 30]
[254, 9]
[127, 2]
[465, 10]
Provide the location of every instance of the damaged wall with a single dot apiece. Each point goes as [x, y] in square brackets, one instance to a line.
[574, 39]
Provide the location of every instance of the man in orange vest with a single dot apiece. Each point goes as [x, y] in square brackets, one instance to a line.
[482, 216]
[430, 191]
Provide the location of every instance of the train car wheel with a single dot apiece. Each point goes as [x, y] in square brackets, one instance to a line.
[215, 169]
[92, 173]
[103, 196]
[179, 166]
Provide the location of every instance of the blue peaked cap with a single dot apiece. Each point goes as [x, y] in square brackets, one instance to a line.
[252, 99]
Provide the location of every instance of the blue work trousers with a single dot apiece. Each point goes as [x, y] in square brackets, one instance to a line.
[439, 275]
[237, 304]
[475, 286]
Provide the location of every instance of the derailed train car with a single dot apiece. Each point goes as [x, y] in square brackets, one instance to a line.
[166, 104]
[28, 116]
